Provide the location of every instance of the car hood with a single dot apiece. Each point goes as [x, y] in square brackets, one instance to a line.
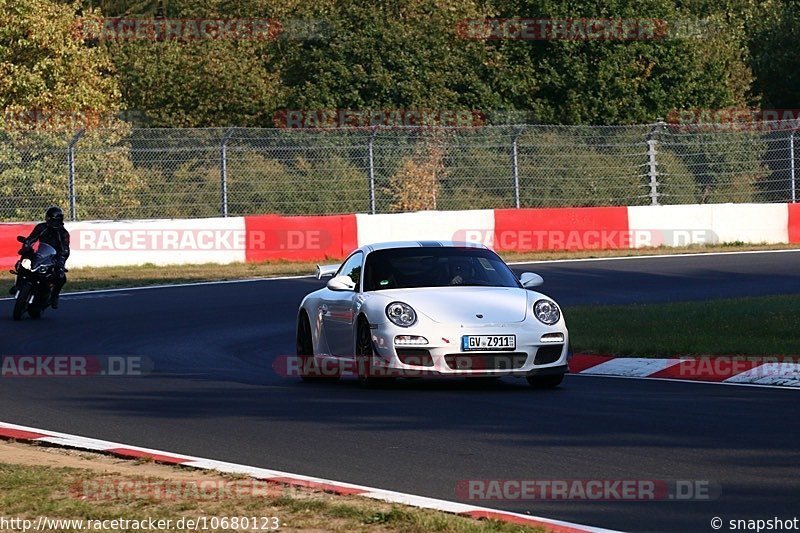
[461, 305]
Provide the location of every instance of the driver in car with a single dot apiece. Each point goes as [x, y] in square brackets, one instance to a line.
[461, 271]
[52, 232]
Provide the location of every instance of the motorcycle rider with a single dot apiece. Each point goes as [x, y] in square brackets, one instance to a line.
[52, 232]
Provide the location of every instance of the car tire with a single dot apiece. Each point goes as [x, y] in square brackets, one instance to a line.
[545, 382]
[365, 354]
[310, 369]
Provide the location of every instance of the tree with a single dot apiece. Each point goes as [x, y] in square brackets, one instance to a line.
[774, 41]
[608, 81]
[51, 85]
[46, 69]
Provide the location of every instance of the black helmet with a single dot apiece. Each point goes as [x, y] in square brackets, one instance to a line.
[54, 217]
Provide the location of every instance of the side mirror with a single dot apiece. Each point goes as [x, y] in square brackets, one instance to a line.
[530, 280]
[341, 283]
[20, 238]
[324, 271]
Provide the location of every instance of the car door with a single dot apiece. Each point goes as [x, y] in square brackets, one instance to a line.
[338, 309]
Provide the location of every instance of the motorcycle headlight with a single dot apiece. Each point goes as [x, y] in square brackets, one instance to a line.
[26, 264]
[401, 314]
[546, 311]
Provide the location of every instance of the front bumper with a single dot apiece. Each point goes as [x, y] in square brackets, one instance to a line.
[443, 354]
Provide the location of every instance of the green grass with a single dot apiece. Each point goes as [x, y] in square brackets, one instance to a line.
[768, 325]
[33, 491]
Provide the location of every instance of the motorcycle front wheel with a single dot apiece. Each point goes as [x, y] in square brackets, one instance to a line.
[22, 301]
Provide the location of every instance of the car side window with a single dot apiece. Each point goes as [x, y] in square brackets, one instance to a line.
[352, 268]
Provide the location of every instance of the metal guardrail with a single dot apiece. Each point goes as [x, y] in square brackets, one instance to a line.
[130, 172]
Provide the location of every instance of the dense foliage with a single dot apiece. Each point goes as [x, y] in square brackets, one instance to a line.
[61, 67]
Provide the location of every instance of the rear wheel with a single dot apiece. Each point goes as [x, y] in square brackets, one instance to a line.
[310, 369]
[35, 312]
[22, 301]
[545, 382]
[368, 374]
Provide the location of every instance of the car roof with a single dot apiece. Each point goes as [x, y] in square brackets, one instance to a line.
[420, 244]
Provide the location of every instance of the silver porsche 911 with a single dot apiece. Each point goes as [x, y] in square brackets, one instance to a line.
[411, 309]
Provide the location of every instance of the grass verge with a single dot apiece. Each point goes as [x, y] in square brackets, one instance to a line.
[92, 278]
[739, 326]
[36, 481]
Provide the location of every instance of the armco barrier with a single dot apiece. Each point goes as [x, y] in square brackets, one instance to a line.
[474, 225]
[158, 242]
[9, 245]
[330, 238]
[584, 228]
[794, 223]
[682, 225]
[311, 238]
[750, 223]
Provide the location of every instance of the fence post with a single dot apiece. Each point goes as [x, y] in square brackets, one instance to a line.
[652, 164]
[791, 166]
[73, 207]
[515, 164]
[223, 165]
[371, 159]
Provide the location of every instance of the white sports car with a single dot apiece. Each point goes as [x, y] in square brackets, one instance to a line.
[430, 308]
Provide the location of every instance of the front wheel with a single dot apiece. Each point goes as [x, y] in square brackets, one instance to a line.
[22, 301]
[545, 382]
[368, 374]
[310, 368]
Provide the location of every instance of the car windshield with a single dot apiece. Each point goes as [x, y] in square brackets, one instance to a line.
[405, 268]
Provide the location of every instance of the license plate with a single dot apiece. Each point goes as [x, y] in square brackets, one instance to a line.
[488, 342]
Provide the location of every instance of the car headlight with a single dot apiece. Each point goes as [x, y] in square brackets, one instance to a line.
[26, 264]
[401, 314]
[546, 311]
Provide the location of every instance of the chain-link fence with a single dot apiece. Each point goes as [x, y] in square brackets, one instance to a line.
[153, 173]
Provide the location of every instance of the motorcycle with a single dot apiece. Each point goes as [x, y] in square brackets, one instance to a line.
[37, 271]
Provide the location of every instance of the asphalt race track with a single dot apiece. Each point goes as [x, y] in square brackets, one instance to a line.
[213, 394]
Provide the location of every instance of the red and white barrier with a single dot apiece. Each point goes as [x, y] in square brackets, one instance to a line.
[329, 238]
